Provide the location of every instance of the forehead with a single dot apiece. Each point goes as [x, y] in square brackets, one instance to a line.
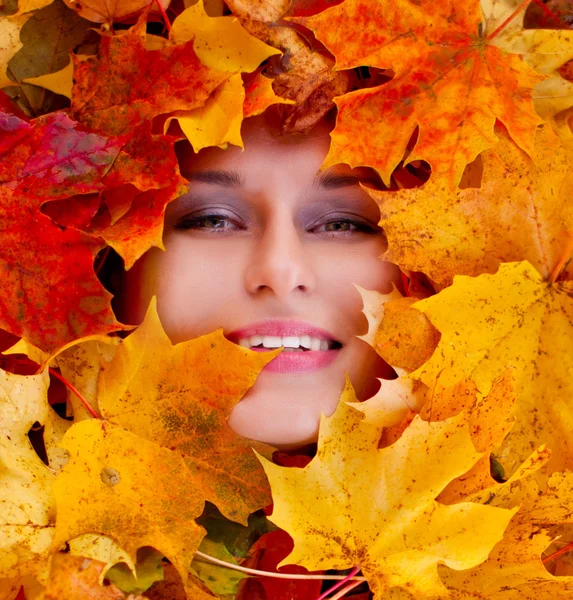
[293, 159]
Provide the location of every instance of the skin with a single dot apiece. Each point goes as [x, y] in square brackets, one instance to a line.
[275, 256]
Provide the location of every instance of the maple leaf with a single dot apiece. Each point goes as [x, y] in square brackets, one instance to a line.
[181, 397]
[48, 38]
[521, 211]
[264, 555]
[25, 6]
[10, 35]
[259, 95]
[404, 338]
[54, 297]
[545, 50]
[513, 571]
[104, 11]
[143, 474]
[26, 502]
[301, 74]
[127, 83]
[448, 79]
[513, 319]
[75, 577]
[399, 539]
[242, 52]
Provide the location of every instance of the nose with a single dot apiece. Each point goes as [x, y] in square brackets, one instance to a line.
[279, 261]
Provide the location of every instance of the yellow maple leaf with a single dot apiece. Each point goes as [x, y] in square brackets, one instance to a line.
[513, 571]
[519, 211]
[513, 319]
[545, 50]
[448, 79]
[218, 122]
[401, 535]
[142, 475]
[241, 51]
[26, 502]
[59, 82]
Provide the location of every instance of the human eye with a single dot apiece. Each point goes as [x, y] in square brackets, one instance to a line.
[345, 227]
[210, 222]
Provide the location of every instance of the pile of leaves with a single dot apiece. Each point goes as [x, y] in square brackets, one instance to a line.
[455, 479]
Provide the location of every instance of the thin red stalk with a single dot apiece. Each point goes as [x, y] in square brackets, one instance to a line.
[559, 553]
[561, 262]
[509, 19]
[340, 583]
[75, 391]
[548, 12]
[345, 590]
[102, 260]
[164, 15]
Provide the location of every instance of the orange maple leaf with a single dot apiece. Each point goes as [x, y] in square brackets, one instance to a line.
[448, 80]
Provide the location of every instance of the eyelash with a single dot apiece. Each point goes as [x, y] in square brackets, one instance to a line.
[189, 222]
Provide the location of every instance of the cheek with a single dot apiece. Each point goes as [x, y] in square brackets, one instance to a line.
[362, 266]
[193, 283]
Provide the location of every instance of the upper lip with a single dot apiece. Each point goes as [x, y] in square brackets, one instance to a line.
[280, 328]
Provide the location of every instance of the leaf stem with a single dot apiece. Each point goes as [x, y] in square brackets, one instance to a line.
[559, 553]
[75, 391]
[222, 563]
[548, 12]
[562, 261]
[345, 590]
[340, 584]
[163, 14]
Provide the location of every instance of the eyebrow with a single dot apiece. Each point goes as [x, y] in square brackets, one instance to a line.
[322, 181]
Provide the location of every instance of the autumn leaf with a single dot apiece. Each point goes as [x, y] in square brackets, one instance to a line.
[126, 83]
[398, 540]
[513, 571]
[103, 11]
[25, 6]
[59, 82]
[259, 95]
[76, 578]
[545, 50]
[48, 38]
[10, 35]
[26, 502]
[265, 554]
[181, 397]
[518, 210]
[143, 474]
[513, 319]
[241, 52]
[301, 74]
[449, 80]
[51, 298]
[405, 339]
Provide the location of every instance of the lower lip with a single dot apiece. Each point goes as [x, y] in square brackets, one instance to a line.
[297, 362]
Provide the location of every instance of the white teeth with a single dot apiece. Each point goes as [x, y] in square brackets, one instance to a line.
[293, 341]
[271, 341]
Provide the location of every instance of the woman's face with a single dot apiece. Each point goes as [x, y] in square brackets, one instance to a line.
[286, 244]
